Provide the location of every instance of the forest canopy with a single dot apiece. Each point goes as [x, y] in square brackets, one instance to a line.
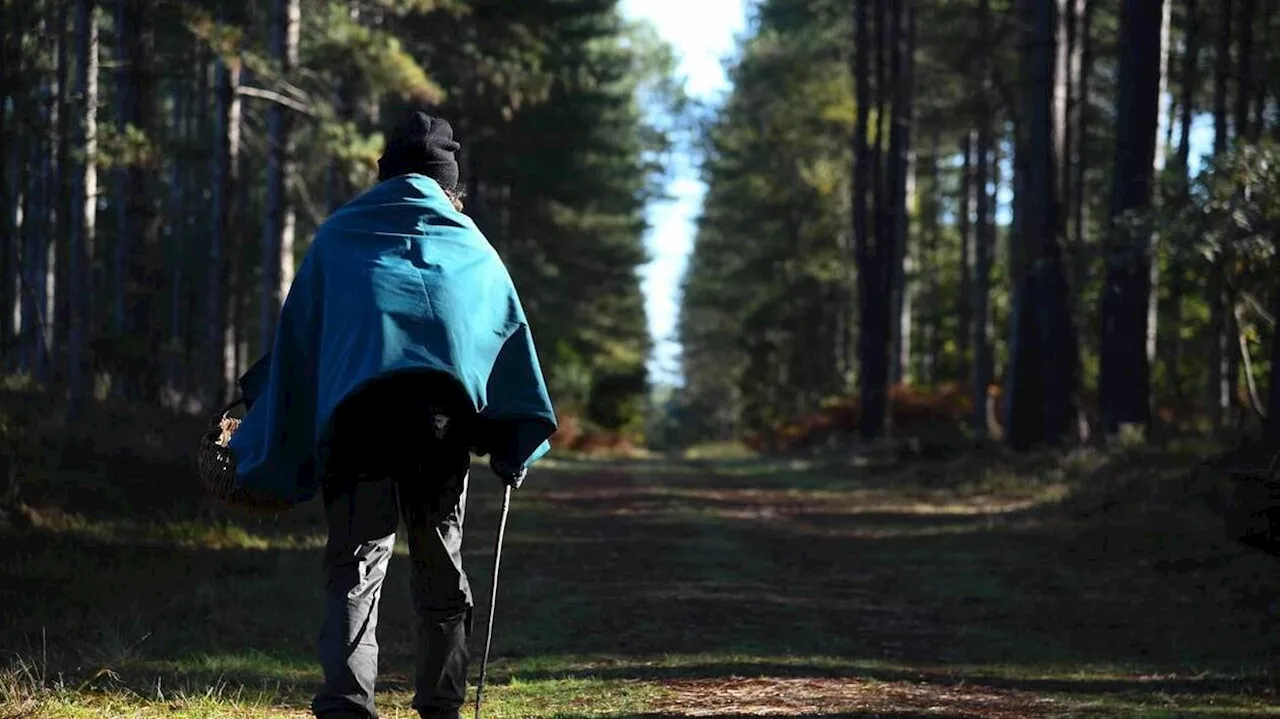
[165, 163]
[1007, 205]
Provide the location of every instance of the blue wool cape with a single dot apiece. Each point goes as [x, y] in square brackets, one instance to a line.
[396, 280]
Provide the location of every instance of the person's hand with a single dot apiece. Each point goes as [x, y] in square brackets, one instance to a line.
[512, 475]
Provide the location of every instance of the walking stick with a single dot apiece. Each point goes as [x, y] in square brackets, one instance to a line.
[493, 597]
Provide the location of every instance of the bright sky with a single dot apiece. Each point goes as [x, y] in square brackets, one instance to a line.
[703, 33]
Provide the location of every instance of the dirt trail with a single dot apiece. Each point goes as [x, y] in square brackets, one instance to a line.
[881, 599]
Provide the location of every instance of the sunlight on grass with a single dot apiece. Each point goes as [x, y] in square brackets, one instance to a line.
[719, 451]
[25, 693]
[599, 686]
[571, 697]
[264, 666]
[177, 533]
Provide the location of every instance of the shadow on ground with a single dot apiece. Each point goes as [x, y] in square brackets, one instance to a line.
[662, 572]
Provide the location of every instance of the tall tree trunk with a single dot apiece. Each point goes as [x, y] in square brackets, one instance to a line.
[873, 376]
[280, 220]
[220, 342]
[124, 230]
[174, 226]
[932, 231]
[964, 303]
[1260, 91]
[41, 217]
[7, 233]
[1244, 76]
[200, 129]
[59, 201]
[861, 170]
[903, 189]
[1061, 91]
[1124, 374]
[1177, 271]
[84, 230]
[1065, 36]
[983, 239]
[43, 260]
[1222, 78]
[145, 283]
[33, 231]
[1272, 428]
[1082, 69]
[22, 320]
[1164, 113]
[18, 95]
[1221, 349]
[1044, 362]
[10, 189]
[1190, 75]
[903, 317]
[242, 276]
[997, 181]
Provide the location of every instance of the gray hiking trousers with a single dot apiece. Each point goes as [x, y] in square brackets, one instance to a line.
[364, 504]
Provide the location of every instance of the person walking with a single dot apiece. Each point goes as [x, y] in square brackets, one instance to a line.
[402, 349]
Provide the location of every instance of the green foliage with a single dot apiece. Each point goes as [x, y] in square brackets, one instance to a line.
[1226, 228]
[560, 170]
[342, 44]
[769, 279]
[127, 148]
[547, 98]
[1236, 203]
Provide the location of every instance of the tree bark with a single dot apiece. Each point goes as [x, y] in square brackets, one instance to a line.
[862, 179]
[1259, 90]
[43, 219]
[1220, 348]
[1244, 69]
[7, 233]
[1064, 35]
[1124, 375]
[1272, 428]
[1044, 363]
[1222, 77]
[1186, 109]
[124, 229]
[933, 328]
[874, 335]
[59, 193]
[146, 286]
[983, 239]
[964, 303]
[84, 230]
[175, 236]
[280, 220]
[904, 191]
[221, 296]
[1082, 69]
[1164, 114]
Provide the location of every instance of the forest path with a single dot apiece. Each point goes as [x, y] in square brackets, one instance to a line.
[664, 588]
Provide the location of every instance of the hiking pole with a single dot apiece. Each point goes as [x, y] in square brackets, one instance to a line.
[493, 595]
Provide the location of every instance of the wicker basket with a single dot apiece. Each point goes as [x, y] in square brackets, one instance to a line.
[217, 467]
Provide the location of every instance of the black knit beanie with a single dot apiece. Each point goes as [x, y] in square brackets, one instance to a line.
[424, 145]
